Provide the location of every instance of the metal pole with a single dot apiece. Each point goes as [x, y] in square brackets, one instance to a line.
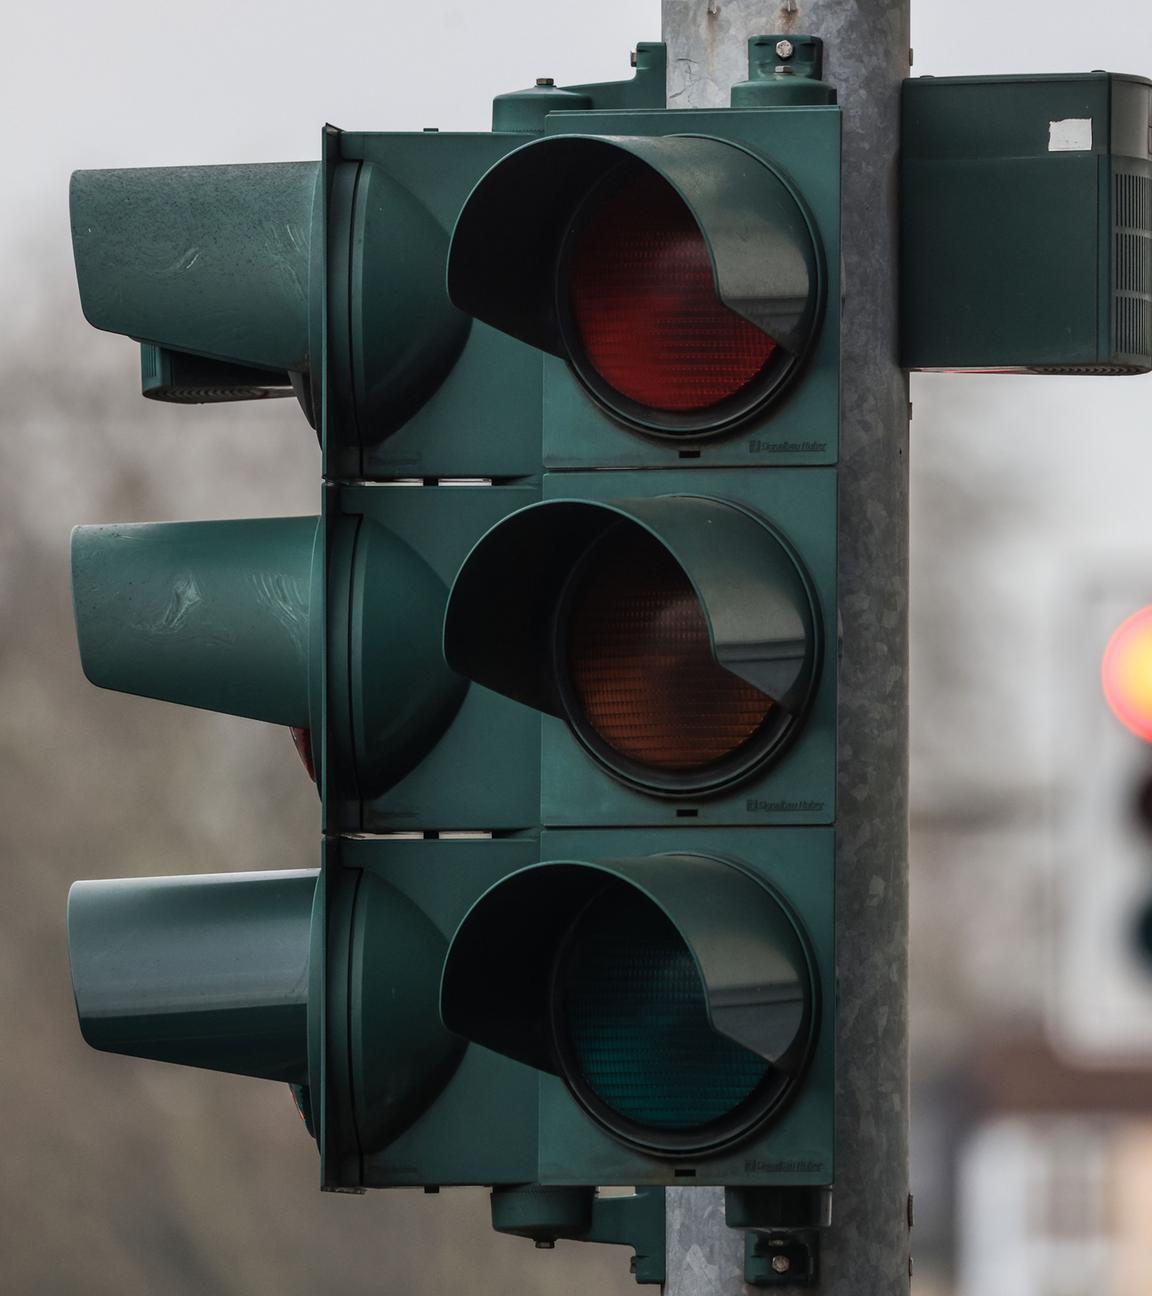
[866, 55]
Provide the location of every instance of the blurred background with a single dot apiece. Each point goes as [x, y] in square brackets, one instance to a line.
[1031, 815]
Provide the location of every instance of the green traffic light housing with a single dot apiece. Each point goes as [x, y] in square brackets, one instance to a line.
[641, 261]
[674, 994]
[632, 619]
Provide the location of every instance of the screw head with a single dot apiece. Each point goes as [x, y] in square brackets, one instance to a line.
[785, 49]
[781, 1264]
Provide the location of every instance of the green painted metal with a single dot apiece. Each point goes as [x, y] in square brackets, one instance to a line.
[416, 388]
[194, 380]
[227, 616]
[210, 614]
[746, 950]
[780, 1223]
[462, 455]
[474, 1118]
[400, 1056]
[762, 619]
[209, 971]
[638, 1221]
[525, 111]
[522, 112]
[1027, 224]
[763, 563]
[238, 279]
[392, 334]
[794, 1145]
[783, 71]
[498, 1120]
[799, 423]
[544, 1214]
[210, 260]
[647, 88]
[393, 1097]
[798, 783]
[386, 1056]
[401, 695]
[505, 253]
[421, 739]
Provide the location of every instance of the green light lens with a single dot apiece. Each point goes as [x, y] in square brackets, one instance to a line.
[635, 1022]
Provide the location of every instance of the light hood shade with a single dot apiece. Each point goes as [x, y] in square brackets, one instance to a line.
[503, 265]
[760, 610]
[208, 971]
[209, 260]
[210, 614]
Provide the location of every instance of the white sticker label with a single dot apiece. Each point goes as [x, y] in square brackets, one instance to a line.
[1072, 135]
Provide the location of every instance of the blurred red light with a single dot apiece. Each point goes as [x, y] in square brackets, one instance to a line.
[1126, 673]
[302, 739]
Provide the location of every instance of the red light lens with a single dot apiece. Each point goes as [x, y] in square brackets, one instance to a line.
[641, 662]
[302, 740]
[645, 308]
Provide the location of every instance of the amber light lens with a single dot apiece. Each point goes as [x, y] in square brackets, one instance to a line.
[645, 308]
[641, 666]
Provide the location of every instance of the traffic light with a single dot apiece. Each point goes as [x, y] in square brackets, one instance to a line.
[560, 646]
[1102, 963]
[1126, 676]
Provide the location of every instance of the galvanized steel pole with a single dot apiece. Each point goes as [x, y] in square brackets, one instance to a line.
[866, 52]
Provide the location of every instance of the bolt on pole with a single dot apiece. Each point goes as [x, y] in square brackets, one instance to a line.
[866, 1250]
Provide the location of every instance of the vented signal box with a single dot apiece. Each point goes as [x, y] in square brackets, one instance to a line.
[1027, 224]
